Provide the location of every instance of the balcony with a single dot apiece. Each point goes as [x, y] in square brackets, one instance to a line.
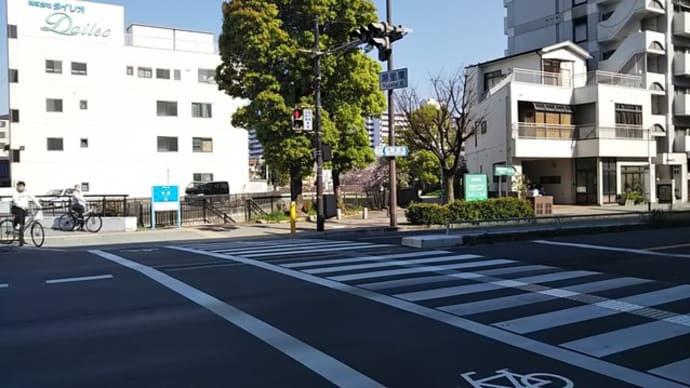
[649, 42]
[626, 17]
[655, 82]
[681, 64]
[681, 24]
[569, 141]
[562, 80]
[681, 106]
[682, 144]
[608, 78]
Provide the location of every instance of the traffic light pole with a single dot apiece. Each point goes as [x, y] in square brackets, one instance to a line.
[320, 216]
[393, 202]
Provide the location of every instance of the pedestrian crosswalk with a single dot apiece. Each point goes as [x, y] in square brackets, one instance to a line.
[593, 313]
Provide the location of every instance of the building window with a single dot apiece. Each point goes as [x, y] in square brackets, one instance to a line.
[83, 105]
[177, 74]
[14, 115]
[167, 144]
[207, 76]
[580, 30]
[578, 2]
[145, 72]
[85, 187]
[130, 70]
[202, 177]
[492, 79]
[55, 144]
[483, 127]
[202, 144]
[202, 110]
[53, 105]
[84, 143]
[628, 114]
[79, 68]
[163, 73]
[12, 31]
[167, 108]
[53, 67]
[14, 76]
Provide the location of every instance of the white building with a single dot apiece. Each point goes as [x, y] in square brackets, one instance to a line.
[645, 38]
[584, 136]
[378, 128]
[116, 110]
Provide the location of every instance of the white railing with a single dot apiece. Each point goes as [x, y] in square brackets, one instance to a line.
[537, 131]
[562, 80]
[608, 78]
[197, 46]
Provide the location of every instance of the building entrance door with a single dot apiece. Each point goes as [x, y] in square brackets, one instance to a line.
[586, 181]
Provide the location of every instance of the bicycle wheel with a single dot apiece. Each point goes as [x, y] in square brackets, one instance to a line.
[67, 222]
[7, 235]
[93, 223]
[38, 235]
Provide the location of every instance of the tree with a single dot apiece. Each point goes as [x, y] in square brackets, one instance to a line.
[265, 55]
[443, 126]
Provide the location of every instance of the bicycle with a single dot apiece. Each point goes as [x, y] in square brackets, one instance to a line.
[508, 379]
[89, 220]
[8, 234]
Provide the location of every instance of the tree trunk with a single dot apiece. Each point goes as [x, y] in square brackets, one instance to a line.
[449, 185]
[337, 190]
[296, 189]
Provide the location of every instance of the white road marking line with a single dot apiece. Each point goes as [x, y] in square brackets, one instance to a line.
[284, 252]
[392, 263]
[321, 363]
[4, 286]
[490, 286]
[315, 263]
[617, 341]
[407, 271]
[80, 279]
[576, 359]
[283, 248]
[610, 249]
[678, 371]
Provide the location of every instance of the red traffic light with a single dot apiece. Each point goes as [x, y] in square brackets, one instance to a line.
[297, 114]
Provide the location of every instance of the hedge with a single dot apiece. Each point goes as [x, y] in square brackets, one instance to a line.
[493, 209]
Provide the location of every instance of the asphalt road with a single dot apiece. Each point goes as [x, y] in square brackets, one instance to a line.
[593, 311]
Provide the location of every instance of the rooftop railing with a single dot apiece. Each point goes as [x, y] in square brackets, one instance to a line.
[537, 131]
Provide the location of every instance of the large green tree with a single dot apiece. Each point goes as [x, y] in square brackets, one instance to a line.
[265, 60]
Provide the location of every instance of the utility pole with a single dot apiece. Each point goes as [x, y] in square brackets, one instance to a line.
[393, 202]
[320, 216]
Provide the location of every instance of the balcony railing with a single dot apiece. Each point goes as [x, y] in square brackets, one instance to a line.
[562, 80]
[608, 78]
[580, 132]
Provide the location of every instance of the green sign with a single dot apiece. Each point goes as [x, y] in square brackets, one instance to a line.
[476, 187]
[504, 171]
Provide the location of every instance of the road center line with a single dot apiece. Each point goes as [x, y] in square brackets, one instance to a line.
[321, 363]
[80, 279]
[573, 358]
[4, 285]
[611, 249]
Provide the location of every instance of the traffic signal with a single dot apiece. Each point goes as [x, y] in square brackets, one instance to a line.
[298, 119]
[380, 35]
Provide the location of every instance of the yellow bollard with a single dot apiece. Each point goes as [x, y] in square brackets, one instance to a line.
[293, 218]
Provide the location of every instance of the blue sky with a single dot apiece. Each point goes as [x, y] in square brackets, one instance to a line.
[447, 34]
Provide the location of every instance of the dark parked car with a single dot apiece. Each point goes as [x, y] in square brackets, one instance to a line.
[197, 189]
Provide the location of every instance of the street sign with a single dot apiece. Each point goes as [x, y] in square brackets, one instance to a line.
[476, 187]
[391, 152]
[391, 80]
[504, 171]
[165, 198]
[308, 119]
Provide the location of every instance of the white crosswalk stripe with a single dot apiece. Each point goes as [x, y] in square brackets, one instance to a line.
[431, 277]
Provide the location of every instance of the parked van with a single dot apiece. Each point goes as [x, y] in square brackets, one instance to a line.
[196, 189]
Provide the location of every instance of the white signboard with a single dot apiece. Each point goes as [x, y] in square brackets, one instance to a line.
[396, 79]
[308, 120]
[391, 151]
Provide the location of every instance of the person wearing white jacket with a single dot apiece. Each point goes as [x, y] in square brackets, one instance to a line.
[21, 200]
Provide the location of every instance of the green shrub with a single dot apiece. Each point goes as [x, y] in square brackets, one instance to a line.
[275, 217]
[427, 214]
[634, 196]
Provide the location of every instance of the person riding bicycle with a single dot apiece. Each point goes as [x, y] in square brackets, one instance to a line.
[21, 200]
[78, 203]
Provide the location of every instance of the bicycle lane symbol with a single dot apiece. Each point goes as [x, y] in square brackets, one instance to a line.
[504, 378]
